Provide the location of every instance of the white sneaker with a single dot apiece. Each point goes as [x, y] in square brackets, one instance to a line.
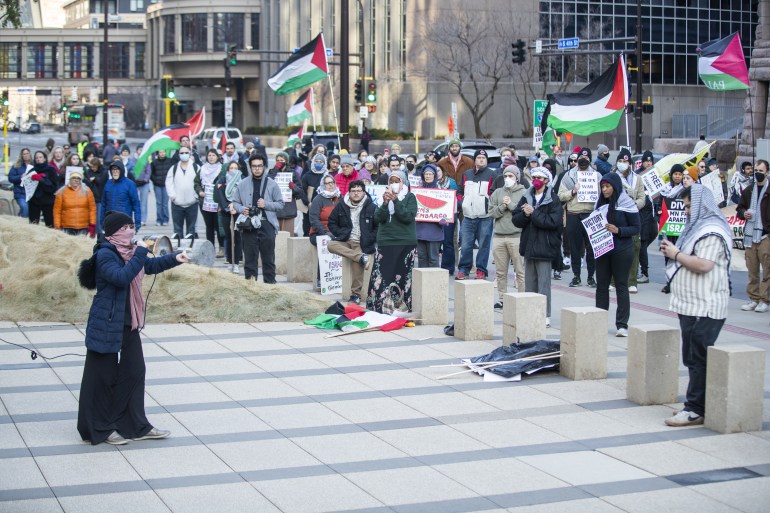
[632, 289]
[622, 332]
[612, 288]
[547, 322]
[762, 308]
[567, 261]
[750, 306]
[684, 418]
[235, 269]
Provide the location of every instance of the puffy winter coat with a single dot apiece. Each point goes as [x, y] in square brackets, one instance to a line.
[74, 208]
[541, 231]
[121, 195]
[14, 176]
[44, 193]
[340, 225]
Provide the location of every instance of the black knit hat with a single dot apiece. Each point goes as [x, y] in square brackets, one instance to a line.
[114, 221]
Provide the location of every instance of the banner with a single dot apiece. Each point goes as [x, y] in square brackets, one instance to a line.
[30, 185]
[674, 217]
[713, 182]
[656, 177]
[433, 205]
[588, 187]
[600, 237]
[376, 192]
[330, 266]
[736, 224]
[283, 180]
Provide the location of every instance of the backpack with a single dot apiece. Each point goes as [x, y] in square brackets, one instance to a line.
[87, 269]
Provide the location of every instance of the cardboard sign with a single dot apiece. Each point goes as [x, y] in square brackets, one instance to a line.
[601, 238]
[713, 182]
[588, 187]
[674, 217]
[433, 205]
[30, 185]
[330, 266]
[283, 180]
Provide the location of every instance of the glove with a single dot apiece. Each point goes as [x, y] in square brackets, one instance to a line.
[443, 221]
[92, 231]
[37, 177]
[291, 185]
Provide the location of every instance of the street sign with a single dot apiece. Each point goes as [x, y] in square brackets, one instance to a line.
[229, 109]
[539, 46]
[538, 112]
[363, 112]
[329, 52]
[455, 128]
[568, 43]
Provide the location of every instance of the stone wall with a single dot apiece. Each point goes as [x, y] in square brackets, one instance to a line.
[755, 122]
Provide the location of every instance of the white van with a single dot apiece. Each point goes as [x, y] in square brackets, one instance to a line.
[211, 137]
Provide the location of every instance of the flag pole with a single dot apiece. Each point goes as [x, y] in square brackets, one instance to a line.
[312, 105]
[334, 109]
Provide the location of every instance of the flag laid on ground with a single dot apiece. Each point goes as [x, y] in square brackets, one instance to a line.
[295, 137]
[168, 138]
[302, 109]
[351, 317]
[722, 65]
[597, 107]
[306, 66]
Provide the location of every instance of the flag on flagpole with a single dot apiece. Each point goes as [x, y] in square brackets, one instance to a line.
[223, 142]
[306, 66]
[722, 65]
[302, 109]
[196, 123]
[549, 139]
[168, 138]
[598, 107]
[295, 137]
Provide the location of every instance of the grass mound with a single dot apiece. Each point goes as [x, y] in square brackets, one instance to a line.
[38, 276]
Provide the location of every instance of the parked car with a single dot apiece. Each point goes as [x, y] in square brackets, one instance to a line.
[443, 148]
[31, 128]
[328, 139]
[12, 126]
[211, 137]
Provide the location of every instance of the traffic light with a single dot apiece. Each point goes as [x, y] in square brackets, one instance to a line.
[232, 56]
[519, 51]
[170, 94]
[371, 96]
[357, 89]
[64, 108]
[647, 108]
[5, 98]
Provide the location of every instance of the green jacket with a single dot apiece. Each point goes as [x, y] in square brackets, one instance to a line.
[398, 229]
[502, 213]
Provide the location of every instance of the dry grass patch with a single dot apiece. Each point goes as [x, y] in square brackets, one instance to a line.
[38, 274]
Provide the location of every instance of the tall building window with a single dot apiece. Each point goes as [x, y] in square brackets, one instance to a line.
[118, 61]
[169, 33]
[10, 60]
[78, 60]
[41, 60]
[388, 36]
[194, 32]
[136, 6]
[255, 30]
[228, 30]
[402, 43]
[139, 49]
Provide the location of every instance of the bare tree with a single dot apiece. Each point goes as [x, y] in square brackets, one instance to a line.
[470, 51]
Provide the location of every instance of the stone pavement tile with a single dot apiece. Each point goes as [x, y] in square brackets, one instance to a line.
[263, 455]
[225, 498]
[349, 447]
[349, 358]
[222, 366]
[509, 433]
[447, 403]
[310, 339]
[272, 327]
[167, 369]
[454, 351]
[516, 396]
[642, 418]
[39, 402]
[251, 343]
[587, 424]
[49, 433]
[10, 437]
[576, 506]
[747, 495]
[585, 467]
[145, 501]
[192, 347]
[410, 485]
[370, 337]
[26, 377]
[154, 461]
[318, 494]
[581, 391]
[86, 468]
[55, 336]
[298, 416]
[16, 473]
[265, 388]
[738, 449]
[213, 328]
[421, 332]
[665, 458]
[281, 363]
[233, 420]
[672, 499]
[423, 441]
[169, 330]
[393, 379]
[31, 506]
[499, 476]
[187, 393]
[326, 384]
[409, 353]
[372, 410]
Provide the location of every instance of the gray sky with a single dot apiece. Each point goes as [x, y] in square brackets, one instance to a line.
[53, 14]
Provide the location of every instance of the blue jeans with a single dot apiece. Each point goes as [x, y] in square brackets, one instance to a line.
[479, 229]
[161, 204]
[23, 208]
[144, 191]
[99, 218]
[448, 248]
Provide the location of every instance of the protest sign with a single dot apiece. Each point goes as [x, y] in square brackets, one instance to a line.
[653, 182]
[601, 238]
[433, 205]
[736, 225]
[673, 217]
[30, 185]
[713, 182]
[330, 267]
[376, 192]
[415, 181]
[283, 180]
[209, 203]
[588, 187]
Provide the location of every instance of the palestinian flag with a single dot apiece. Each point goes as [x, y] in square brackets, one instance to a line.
[295, 137]
[306, 66]
[168, 138]
[549, 139]
[597, 107]
[351, 318]
[301, 110]
[721, 64]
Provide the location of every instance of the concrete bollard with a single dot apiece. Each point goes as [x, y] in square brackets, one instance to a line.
[735, 377]
[653, 364]
[583, 343]
[473, 309]
[523, 317]
[281, 248]
[347, 279]
[430, 295]
[301, 260]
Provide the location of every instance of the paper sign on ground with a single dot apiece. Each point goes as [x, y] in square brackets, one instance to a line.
[330, 266]
[601, 238]
[713, 182]
[30, 185]
[433, 205]
[283, 180]
[588, 187]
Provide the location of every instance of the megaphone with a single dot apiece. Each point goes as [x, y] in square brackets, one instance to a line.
[201, 252]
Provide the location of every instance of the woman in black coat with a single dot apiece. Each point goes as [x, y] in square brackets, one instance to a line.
[45, 194]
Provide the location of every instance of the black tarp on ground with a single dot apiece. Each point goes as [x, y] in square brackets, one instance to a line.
[516, 351]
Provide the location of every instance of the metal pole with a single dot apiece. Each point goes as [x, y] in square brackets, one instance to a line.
[362, 61]
[168, 111]
[105, 62]
[639, 70]
[344, 75]
[5, 138]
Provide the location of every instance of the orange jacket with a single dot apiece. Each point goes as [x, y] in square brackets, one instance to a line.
[73, 209]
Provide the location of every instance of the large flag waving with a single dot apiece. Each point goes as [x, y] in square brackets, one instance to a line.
[168, 138]
[721, 64]
[302, 109]
[295, 137]
[306, 66]
[597, 107]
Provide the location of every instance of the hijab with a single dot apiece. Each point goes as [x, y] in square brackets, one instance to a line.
[325, 193]
[619, 201]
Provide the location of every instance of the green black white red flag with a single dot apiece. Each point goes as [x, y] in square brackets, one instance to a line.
[302, 109]
[307, 66]
[597, 107]
[722, 65]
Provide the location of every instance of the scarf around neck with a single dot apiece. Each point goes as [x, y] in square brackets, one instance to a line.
[335, 193]
[122, 242]
[752, 232]
[232, 179]
[209, 172]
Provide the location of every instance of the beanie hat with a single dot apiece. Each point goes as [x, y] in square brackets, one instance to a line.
[348, 159]
[585, 152]
[400, 175]
[712, 162]
[480, 152]
[602, 148]
[394, 158]
[624, 155]
[454, 141]
[429, 168]
[647, 155]
[533, 158]
[512, 169]
[284, 155]
[125, 148]
[692, 171]
[676, 168]
[114, 221]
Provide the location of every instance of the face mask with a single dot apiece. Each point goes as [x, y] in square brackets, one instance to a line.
[510, 182]
[318, 166]
[184, 157]
[538, 183]
[279, 165]
[583, 163]
[395, 187]
[410, 166]
[622, 167]
[604, 156]
[759, 177]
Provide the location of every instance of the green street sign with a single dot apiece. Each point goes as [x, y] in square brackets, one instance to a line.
[538, 111]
